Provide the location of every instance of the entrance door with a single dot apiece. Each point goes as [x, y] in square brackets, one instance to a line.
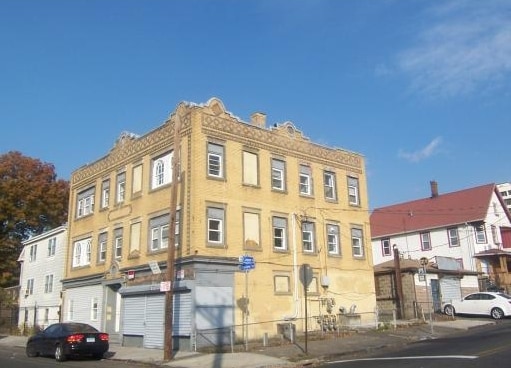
[435, 293]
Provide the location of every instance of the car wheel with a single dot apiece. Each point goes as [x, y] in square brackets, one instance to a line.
[449, 310]
[59, 354]
[497, 313]
[31, 352]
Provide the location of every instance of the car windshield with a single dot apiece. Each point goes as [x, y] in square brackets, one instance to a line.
[504, 295]
[80, 327]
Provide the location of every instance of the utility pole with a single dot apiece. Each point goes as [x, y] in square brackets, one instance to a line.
[171, 255]
[399, 283]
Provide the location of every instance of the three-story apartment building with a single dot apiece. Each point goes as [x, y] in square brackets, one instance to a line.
[243, 190]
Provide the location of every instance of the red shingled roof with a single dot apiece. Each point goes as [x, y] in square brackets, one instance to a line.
[450, 209]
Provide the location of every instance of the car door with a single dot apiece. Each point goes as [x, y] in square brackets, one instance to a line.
[47, 339]
[488, 301]
[470, 304]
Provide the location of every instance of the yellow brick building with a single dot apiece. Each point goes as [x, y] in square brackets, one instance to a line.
[244, 189]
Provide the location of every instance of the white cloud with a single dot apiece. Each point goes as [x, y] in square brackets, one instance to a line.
[466, 47]
[424, 153]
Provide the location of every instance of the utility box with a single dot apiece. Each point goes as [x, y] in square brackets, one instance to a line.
[287, 330]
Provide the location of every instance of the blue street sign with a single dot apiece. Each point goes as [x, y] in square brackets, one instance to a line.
[247, 263]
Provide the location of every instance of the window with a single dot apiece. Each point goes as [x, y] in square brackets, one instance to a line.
[494, 234]
[278, 177]
[357, 242]
[215, 160]
[385, 247]
[135, 237]
[215, 225]
[250, 168]
[118, 243]
[94, 307]
[162, 170]
[105, 193]
[81, 252]
[251, 230]
[329, 182]
[305, 180]
[121, 187]
[52, 245]
[279, 233]
[425, 241]
[46, 315]
[102, 247]
[282, 284]
[136, 180]
[452, 234]
[159, 232]
[85, 203]
[353, 192]
[48, 284]
[30, 287]
[33, 253]
[308, 237]
[332, 234]
[480, 232]
[176, 228]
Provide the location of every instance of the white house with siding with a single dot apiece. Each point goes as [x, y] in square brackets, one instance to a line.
[42, 268]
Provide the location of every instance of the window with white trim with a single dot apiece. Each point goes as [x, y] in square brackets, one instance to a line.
[480, 233]
[305, 180]
[332, 234]
[52, 246]
[215, 218]
[215, 160]
[82, 252]
[162, 170]
[279, 233]
[159, 233]
[121, 187]
[118, 243]
[33, 253]
[308, 237]
[329, 185]
[85, 202]
[48, 284]
[452, 234]
[357, 242]
[102, 247]
[353, 191]
[94, 309]
[278, 174]
[30, 287]
[425, 241]
[105, 193]
[386, 249]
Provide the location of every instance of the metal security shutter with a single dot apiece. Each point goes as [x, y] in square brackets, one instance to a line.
[450, 288]
[133, 312]
[182, 321]
[154, 321]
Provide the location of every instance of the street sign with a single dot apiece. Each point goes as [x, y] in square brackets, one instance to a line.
[247, 263]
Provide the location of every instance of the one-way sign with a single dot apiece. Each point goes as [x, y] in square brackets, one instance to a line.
[247, 263]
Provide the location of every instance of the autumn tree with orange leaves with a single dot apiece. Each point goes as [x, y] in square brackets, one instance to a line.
[32, 201]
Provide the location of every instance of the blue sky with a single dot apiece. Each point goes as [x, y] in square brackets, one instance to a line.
[421, 88]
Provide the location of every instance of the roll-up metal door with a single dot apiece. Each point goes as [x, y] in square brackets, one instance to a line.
[154, 321]
[133, 315]
[182, 321]
[450, 288]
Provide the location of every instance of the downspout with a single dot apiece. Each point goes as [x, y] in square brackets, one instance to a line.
[296, 300]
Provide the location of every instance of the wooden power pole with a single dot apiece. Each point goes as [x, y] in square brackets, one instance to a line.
[171, 255]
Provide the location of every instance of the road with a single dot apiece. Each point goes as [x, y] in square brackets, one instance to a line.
[14, 357]
[488, 346]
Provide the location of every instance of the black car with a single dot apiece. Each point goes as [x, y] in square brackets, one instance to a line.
[66, 340]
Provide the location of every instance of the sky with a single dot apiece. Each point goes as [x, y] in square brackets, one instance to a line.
[420, 88]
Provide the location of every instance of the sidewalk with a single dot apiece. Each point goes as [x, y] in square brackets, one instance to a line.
[290, 355]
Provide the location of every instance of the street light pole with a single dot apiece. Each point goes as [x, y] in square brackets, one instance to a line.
[169, 274]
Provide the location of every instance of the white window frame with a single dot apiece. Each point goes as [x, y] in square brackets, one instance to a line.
[480, 233]
[386, 249]
[279, 225]
[33, 253]
[121, 187]
[85, 203]
[308, 237]
[329, 185]
[105, 193]
[333, 236]
[48, 283]
[454, 238]
[278, 174]
[30, 287]
[426, 241]
[102, 247]
[215, 221]
[353, 191]
[118, 240]
[215, 160]
[94, 309]
[305, 180]
[162, 170]
[357, 242]
[52, 246]
[82, 252]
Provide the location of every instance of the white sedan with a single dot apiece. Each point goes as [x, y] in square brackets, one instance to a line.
[494, 304]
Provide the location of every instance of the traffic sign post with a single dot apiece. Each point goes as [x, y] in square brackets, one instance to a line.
[247, 263]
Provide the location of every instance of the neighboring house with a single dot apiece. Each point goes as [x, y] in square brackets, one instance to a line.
[9, 309]
[505, 192]
[468, 226]
[420, 290]
[42, 268]
[243, 189]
